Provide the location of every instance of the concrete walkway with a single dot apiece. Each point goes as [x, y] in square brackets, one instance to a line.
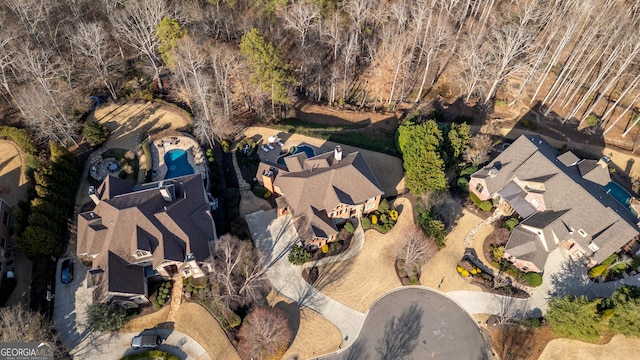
[273, 238]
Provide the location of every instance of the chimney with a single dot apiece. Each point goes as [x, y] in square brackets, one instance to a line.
[337, 153]
[167, 193]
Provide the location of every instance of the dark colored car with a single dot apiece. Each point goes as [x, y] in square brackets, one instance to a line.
[145, 341]
[66, 271]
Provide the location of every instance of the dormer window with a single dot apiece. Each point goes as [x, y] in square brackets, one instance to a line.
[582, 233]
[141, 253]
[593, 247]
[479, 188]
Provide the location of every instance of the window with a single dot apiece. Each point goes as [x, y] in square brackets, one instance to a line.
[479, 188]
[5, 218]
[369, 206]
[535, 203]
[593, 247]
[582, 233]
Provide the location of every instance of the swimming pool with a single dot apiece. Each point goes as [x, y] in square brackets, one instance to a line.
[620, 194]
[177, 162]
[296, 150]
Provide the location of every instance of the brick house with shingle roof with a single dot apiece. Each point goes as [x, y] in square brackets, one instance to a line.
[322, 191]
[562, 201]
[159, 229]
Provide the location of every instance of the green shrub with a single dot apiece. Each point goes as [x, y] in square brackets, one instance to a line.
[224, 144]
[500, 101]
[366, 223]
[463, 185]
[468, 170]
[209, 152]
[527, 123]
[482, 205]
[168, 285]
[384, 206]
[597, 270]
[619, 268]
[532, 279]
[349, 227]
[259, 190]
[298, 255]
[610, 260]
[166, 291]
[592, 120]
[189, 288]
[161, 301]
[156, 305]
[414, 281]
[511, 223]
[95, 133]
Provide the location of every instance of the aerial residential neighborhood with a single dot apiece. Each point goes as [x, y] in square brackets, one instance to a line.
[335, 180]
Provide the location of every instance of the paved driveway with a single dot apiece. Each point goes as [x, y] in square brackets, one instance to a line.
[273, 238]
[417, 323]
[71, 302]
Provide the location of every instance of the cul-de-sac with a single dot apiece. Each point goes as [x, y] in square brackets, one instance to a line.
[319, 179]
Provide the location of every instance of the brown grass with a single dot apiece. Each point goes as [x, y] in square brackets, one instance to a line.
[13, 183]
[619, 347]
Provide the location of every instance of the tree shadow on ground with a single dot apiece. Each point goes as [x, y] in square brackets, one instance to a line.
[328, 275]
[357, 351]
[515, 342]
[293, 315]
[570, 279]
[400, 334]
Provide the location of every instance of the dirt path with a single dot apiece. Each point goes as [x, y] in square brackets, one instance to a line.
[333, 116]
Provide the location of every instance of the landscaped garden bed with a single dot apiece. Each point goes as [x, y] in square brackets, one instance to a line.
[382, 220]
[160, 294]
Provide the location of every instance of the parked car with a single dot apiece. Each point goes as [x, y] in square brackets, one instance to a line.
[66, 271]
[145, 341]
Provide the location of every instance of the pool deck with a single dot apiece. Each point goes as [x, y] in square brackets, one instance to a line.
[159, 147]
[272, 156]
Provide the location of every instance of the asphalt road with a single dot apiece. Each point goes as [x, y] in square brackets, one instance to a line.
[417, 323]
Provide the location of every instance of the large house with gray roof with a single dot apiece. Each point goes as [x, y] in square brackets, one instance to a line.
[322, 191]
[134, 233]
[563, 201]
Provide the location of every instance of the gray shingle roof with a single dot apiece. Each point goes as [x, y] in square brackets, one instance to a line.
[595, 171]
[568, 159]
[525, 245]
[514, 195]
[350, 179]
[590, 208]
[145, 220]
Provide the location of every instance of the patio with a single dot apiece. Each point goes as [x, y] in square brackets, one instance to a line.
[160, 146]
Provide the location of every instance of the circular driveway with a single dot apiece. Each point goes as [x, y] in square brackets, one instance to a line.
[417, 323]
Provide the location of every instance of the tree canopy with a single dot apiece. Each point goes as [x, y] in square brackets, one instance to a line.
[419, 144]
[575, 317]
[266, 65]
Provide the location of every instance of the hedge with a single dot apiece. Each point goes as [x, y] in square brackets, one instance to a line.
[483, 205]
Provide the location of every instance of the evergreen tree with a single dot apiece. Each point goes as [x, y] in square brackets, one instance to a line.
[267, 66]
[575, 317]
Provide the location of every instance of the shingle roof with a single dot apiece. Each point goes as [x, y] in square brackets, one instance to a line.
[568, 159]
[324, 187]
[514, 195]
[591, 209]
[144, 220]
[525, 245]
[595, 171]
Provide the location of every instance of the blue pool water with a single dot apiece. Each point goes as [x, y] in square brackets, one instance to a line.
[296, 150]
[620, 194]
[177, 163]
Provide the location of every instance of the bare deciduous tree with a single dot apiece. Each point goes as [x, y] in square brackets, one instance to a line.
[100, 60]
[265, 334]
[136, 24]
[417, 250]
[478, 150]
[301, 16]
[238, 273]
[19, 324]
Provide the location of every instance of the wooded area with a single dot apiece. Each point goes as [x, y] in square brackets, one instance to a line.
[231, 60]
